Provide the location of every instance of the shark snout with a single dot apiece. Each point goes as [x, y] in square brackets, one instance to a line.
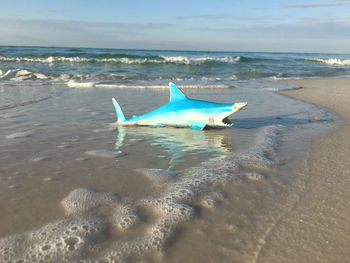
[239, 105]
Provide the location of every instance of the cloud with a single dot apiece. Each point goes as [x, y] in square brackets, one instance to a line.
[22, 25]
[315, 5]
[332, 37]
[329, 33]
[325, 30]
[75, 33]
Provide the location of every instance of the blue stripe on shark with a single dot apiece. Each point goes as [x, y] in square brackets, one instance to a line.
[181, 111]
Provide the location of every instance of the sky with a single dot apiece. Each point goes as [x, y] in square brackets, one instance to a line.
[321, 26]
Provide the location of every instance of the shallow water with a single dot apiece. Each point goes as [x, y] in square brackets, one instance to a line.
[73, 186]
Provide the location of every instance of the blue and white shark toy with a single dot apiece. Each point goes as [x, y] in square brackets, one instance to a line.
[181, 111]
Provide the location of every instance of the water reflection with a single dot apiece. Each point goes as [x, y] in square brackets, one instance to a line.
[179, 143]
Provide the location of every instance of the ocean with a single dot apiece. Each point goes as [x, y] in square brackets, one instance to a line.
[75, 187]
[113, 67]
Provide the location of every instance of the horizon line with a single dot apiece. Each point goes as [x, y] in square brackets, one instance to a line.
[178, 50]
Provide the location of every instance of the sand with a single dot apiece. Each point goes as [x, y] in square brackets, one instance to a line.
[266, 215]
[317, 227]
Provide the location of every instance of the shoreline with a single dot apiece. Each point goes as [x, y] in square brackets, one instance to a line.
[240, 220]
[317, 229]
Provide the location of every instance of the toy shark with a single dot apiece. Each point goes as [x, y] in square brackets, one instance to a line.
[181, 111]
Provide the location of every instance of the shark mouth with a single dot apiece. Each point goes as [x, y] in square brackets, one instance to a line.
[226, 122]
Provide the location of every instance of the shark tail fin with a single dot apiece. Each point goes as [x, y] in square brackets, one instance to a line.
[120, 114]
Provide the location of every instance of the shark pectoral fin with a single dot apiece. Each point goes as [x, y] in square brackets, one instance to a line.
[198, 125]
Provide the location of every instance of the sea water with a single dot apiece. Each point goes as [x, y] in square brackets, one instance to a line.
[75, 187]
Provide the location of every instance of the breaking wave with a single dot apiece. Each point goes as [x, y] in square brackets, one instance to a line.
[22, 66]
[199, 60]
[121, 59]
[20, 77]
[330, 61]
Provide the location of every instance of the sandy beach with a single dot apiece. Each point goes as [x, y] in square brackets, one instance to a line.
[317, 227]
[256, 192]
[167, 132]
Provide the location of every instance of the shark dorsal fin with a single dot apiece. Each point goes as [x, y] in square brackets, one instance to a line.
[175, 93]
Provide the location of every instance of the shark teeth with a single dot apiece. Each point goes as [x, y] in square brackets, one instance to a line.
[227, 122]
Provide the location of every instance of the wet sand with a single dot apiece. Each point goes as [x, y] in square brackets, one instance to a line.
[231, 190]
[317, 227]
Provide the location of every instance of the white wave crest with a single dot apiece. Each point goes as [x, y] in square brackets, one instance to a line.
[332, 61]
[75, 84]
[123, 60]
[199, 60]
[3, 75]
[52, 59]
[18, 75]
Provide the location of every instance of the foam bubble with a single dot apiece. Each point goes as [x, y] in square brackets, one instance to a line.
[93, 216]
[175, 212]
[68, 239]
[60, 241]
[125, 217]
[208, 202]
[82, 200]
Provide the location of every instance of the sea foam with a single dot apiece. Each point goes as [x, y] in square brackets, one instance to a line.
[123, 60]
[331, 61]
[200, 60]
[76, 84]
[92, 216]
